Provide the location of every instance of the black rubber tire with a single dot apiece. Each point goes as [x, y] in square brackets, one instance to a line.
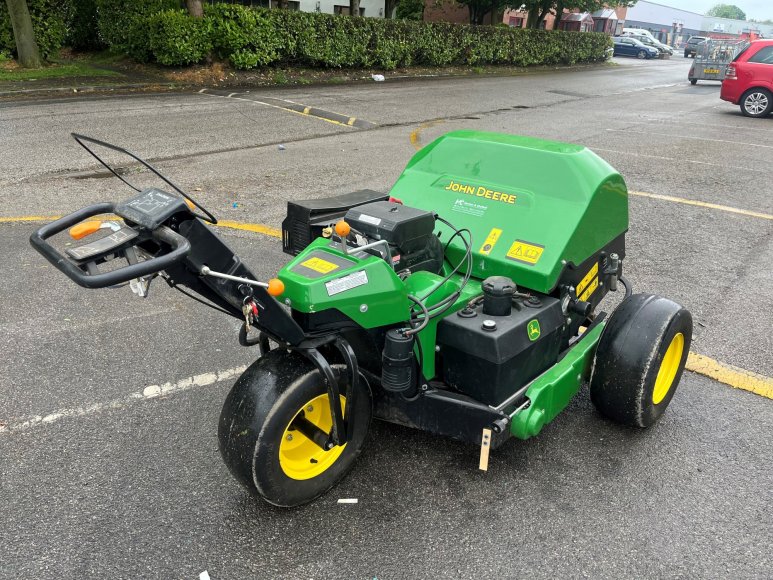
[256, 413]
[693, 81]
[641, 54]
[629, 356]
[759, 93]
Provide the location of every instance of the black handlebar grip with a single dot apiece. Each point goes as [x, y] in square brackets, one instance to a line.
[181, 247]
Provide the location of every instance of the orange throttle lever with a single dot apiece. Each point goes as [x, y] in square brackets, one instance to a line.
[84, 229]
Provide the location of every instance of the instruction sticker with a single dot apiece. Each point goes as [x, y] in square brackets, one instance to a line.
[346, 283]
[490, 242]
[319, 265]
[525, 252]
[586, 282]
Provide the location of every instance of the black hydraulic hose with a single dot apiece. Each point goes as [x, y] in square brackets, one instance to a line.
[628, 288]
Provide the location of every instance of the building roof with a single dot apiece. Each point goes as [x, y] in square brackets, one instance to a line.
[605, 14]
[576, 17]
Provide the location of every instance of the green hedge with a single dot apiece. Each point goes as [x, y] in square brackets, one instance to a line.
[251, 38]
[160, 31]
[124, 25]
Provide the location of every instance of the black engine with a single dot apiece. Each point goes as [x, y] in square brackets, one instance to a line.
[408, 231]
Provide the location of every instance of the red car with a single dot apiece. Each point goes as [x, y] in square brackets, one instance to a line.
[749, 79]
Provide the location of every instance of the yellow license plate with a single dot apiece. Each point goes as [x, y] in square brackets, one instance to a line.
[711, 71]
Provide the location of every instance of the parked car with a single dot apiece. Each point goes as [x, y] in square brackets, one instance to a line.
[628, 46]
[691, 48]
[749, 79]
[648, 39]
[637, 32]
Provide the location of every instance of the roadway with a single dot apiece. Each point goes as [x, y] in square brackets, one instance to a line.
[101, 477]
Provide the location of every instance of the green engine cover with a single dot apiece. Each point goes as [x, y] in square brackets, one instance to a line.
[532, 205]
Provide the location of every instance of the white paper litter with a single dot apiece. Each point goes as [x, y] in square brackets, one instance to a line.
[204, 575]
[348, 500]
[378, 78]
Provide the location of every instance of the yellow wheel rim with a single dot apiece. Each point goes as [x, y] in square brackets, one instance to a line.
[668, 368]
[299, 456]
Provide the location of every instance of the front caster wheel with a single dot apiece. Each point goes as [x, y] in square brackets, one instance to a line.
[268, 425]
[640, 359]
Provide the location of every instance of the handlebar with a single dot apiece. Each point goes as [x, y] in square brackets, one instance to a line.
[181, 247]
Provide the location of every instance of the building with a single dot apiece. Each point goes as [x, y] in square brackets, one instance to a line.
[577, 22]
[372, 8]
[664, 22]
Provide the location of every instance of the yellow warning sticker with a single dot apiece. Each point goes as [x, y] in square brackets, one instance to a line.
[525, 252]
[319, 265]
[592, 273]
[490, 242]
[589, 290]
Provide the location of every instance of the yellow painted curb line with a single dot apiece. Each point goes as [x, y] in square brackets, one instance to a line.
[728, 374]
[29, 218]
[257, 228]
[703, 204]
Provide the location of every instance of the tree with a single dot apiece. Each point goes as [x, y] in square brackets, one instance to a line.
[26, 47]
[727, 11]
[195, 8]
[410, 9]
[539, 9]
[479, 8]
[354, 7]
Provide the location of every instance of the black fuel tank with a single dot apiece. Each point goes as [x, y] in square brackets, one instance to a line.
[491, 357]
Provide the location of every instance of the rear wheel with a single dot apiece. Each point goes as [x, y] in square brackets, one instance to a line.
[640, 359]
[641, 54]
[265, 425]
[693, 81]
[756, 102]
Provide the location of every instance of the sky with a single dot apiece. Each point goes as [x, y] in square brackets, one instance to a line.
[758, 9]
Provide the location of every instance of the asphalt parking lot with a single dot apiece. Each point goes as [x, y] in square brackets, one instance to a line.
[109, 403]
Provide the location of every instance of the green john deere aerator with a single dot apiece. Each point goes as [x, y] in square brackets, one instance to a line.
[464, 302]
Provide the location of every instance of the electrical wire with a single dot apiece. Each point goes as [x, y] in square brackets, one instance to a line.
[424, 321]
[628, 288]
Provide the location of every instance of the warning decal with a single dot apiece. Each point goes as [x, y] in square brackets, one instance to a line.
[525, 252]
[490, 242]
[319, 265]
[592, 273]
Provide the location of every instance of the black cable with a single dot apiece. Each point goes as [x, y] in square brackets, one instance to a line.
[467, 258]
[194, 297]
[424, 321]
[628, 289]
[442, 307]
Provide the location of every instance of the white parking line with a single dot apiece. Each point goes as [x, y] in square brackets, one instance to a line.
[687, 137]
[722, 165]
[16, 424]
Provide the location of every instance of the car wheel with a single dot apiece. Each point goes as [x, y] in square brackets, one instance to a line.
[642, 54]
[756, 102]
[693, 81]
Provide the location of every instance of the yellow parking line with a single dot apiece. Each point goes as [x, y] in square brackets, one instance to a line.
[29, 218]
[257, 228]
[730, 375]
[703, 204]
